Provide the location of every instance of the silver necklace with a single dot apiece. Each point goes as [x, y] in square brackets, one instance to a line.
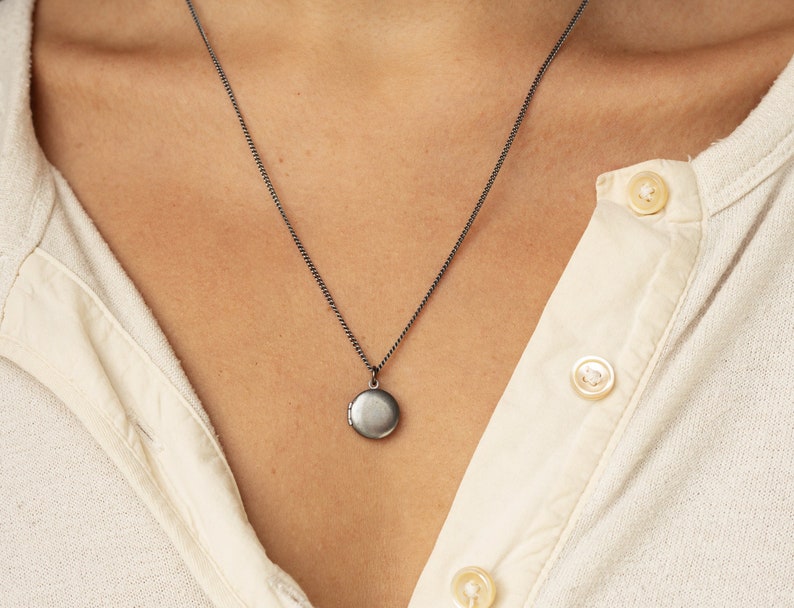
[374, 413]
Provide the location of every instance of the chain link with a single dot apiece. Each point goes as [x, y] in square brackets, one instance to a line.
[374, 369]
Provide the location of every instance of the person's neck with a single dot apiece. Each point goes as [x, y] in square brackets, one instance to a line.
[393, 27]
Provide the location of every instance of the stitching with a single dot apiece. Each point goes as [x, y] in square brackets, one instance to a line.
[135, 346]
[731, 191]
[621, 424]
[122, 441]
[26, 232]
[758, 169]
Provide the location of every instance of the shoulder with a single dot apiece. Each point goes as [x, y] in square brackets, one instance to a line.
[26, 180]
[14, 18]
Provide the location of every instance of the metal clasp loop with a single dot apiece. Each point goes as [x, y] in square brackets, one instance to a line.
[373, 382]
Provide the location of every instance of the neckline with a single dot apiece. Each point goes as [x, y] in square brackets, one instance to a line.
[18, 133]
[730, 167]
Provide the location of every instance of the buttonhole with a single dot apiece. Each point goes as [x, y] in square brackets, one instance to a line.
[147, 433]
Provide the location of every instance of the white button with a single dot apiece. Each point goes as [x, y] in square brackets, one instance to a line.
[473, 587]
[592, 377]
[647, 193]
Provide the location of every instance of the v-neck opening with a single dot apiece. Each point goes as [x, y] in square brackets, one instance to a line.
[588, 270]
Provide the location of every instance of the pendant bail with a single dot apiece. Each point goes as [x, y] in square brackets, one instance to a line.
[373, 382]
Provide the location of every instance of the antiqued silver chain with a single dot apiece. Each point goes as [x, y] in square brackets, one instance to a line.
[374, 369]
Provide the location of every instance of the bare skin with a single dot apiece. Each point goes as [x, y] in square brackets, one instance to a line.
[379, 129]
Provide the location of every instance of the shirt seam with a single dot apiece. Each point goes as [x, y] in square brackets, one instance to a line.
[622, 422]
[121, 440]
[59, 266]
[736, 188]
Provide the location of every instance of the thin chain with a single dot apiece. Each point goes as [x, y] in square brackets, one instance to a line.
[374, 369]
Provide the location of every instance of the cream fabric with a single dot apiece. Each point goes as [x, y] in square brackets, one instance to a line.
[675, 490]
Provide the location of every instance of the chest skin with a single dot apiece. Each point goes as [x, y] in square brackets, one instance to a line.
[378, 176]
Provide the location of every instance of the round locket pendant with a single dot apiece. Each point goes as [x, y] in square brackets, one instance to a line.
[373, 414]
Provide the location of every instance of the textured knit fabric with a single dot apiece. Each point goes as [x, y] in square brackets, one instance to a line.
[676, 489]
[697, 505]
[72, 531]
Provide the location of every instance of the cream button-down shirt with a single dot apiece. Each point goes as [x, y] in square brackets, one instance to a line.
[642, 453]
